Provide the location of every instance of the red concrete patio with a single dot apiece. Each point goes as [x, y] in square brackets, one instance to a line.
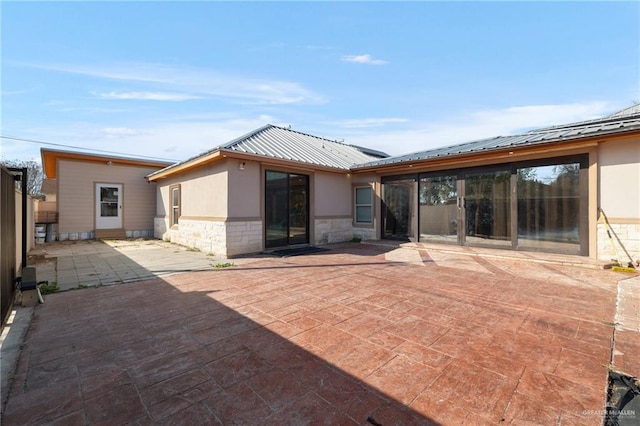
[360, 334]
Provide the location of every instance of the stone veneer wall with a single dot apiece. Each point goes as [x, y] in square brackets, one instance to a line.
[73, 236]
[222, 238]
[337, 230]
[629, 234]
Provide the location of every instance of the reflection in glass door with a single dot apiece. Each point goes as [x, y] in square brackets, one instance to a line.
[549, 208]
[298, 209]
[286, 209]
[398, 208]
[439, 209]
[487, 208]
[530, 205]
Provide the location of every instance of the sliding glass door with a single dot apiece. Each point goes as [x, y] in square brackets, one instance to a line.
[487, 208]
[439, 208]
[398, 208]
[534, 205]
[286, 209]
[549, 207]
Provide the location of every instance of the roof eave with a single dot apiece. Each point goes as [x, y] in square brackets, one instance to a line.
[50, 157]
[186, 166]
[465, 157]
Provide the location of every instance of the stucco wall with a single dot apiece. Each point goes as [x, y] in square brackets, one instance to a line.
[204, 192]
[245, 187]
[332, 194]
[619, 197]
[619, 172]
[76, 197]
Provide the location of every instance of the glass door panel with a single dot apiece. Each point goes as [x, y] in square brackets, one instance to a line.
[286, 209]
[276, 209]
[549, 208]
[487, 208]
[439, 209]
[298, 209]
[398, 208]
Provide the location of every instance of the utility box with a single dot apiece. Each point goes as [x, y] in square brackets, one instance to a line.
[29, 286]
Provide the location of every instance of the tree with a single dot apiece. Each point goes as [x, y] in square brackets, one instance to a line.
[34, 174]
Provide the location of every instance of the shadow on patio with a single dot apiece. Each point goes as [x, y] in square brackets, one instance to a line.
[202, 348]
[348, 336]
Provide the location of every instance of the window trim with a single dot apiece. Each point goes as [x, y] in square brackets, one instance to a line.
[173, 220]
[356, 205]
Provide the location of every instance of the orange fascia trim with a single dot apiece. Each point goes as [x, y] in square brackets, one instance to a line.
[50, 159]
[196, 162]
[227, 153]
[504, 155]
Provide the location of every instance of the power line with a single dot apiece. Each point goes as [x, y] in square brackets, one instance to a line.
[85, 149]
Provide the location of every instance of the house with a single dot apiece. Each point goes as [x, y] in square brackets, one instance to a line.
[543, 190]
[100, 196]
[271, 188]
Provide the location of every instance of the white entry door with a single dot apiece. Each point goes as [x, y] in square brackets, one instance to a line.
[108, 206]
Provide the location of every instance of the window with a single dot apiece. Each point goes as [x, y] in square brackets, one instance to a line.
[363, 204]
[175, 204]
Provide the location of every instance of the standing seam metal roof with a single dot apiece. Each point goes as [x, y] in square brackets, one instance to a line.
[286, 144]
[277, 142]
[620, 122]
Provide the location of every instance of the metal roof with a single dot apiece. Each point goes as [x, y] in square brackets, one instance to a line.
[286, 144]
[620, 122]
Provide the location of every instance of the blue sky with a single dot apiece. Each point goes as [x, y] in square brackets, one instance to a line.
[173, 79]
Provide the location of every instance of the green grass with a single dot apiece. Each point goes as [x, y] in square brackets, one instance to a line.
[49, 288]
[223, 265]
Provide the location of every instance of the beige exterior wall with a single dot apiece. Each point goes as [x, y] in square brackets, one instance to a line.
[332, 195]
[76, 197]
[203, 194]
[203, 205]
[619, 196]
[619, 171]
[245, 189]
[206, 191]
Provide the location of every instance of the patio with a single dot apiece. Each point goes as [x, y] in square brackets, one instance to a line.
[360, 334]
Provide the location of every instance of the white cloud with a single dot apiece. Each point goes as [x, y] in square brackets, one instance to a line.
[147, 96]
[368, 122]
[476, 125]
[198, 82]
[363, 59]
[118, 132]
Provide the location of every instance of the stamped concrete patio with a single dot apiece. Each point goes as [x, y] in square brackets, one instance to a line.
[360, 334]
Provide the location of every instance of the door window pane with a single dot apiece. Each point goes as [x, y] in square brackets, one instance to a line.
[298, 209]
[276, 209]
[108, 201]
[439, 209]
[488, 208]
[286, 209]
[549, 207]
[399, 199]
